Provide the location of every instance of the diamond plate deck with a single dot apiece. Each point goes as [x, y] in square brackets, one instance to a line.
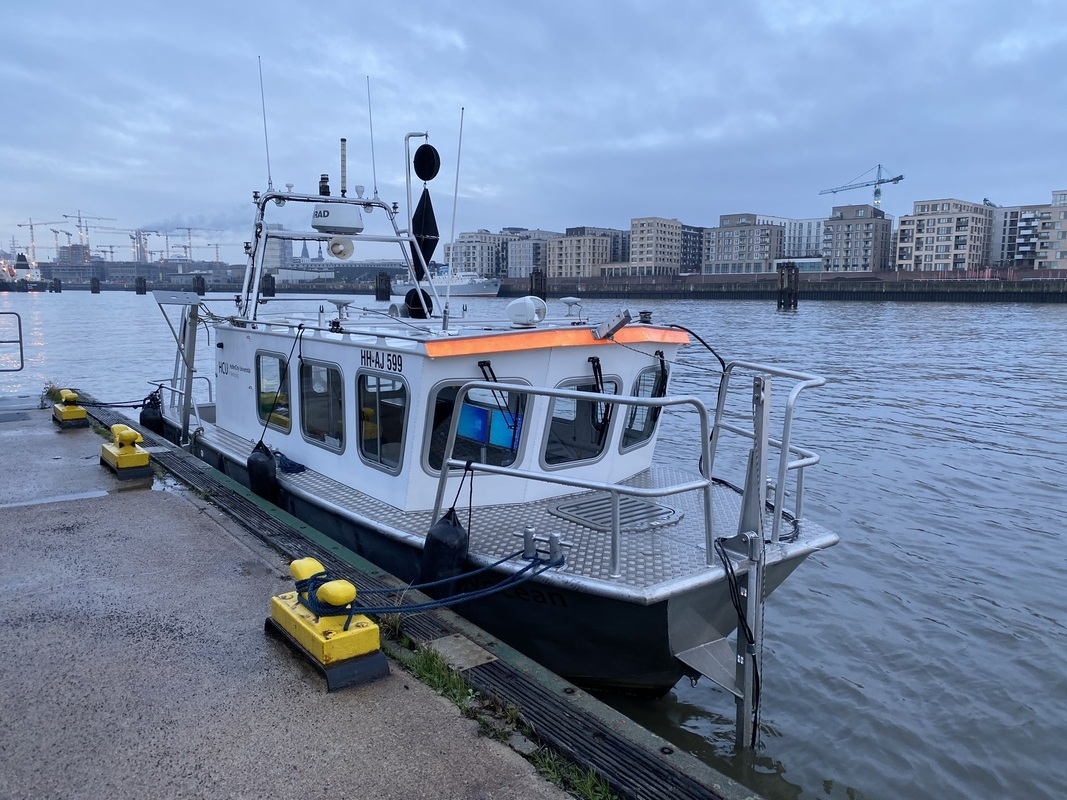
[650, 558]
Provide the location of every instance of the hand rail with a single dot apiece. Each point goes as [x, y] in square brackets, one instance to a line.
[18, 341]
[704, 484]
[784, 446]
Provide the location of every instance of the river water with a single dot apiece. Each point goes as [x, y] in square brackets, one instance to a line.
[923, 657]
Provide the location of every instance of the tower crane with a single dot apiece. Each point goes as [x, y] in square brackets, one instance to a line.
[56, 234]
[189, 238]
[33, 240]
[83, 230]
[139, 238]
[876, 183]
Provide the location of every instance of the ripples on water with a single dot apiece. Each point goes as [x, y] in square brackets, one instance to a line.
[923, 656]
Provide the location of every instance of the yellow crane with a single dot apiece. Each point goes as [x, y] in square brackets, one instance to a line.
[877, 183]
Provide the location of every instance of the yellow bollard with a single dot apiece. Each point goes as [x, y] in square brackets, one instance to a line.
[66, 413]
[126, 458]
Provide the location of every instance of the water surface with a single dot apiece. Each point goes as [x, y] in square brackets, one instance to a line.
[922, 657]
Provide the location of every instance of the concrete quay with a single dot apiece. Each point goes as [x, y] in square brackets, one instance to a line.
[135, 662]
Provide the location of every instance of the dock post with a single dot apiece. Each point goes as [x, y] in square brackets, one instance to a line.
[383, 287]
[788, 284]
[538, 284]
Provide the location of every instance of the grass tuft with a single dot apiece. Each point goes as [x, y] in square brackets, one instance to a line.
[432, 668]
[582, 783]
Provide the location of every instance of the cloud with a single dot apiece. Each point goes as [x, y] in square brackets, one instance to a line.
[575, 113]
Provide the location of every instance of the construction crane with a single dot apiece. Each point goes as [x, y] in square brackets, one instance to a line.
[83, 230]
[56, 234]
[139, 238]
[33, 240]
[189, 238]
[876, 183]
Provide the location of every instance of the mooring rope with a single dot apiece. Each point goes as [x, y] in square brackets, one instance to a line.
[310, 585]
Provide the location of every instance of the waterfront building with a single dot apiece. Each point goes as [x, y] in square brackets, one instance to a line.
[577, 256]
[802, 237]
[692, 255]
[482, 252]
[529, 253]
[857, 238]
[806, 264]
[620, 239]
[945, 235]
[655, 246]
[743, 244]
[1032, 236]
[277, 256]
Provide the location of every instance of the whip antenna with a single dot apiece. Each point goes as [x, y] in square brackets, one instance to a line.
[263, 103]
[455, 198]
[370, 118]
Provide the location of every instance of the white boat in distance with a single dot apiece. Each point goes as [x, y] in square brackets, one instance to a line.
[461, 284]
[505, 463]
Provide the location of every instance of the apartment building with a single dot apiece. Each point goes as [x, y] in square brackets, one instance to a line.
[482, 252]
[857, 238]
[803, 237]
[945, 235]
[529, 252]
[655, 246]
[742, 244]
[579, 256]
[691, 258]
[1031, 237]
[620, 239]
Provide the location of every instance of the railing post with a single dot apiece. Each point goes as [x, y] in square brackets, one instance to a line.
[616, 537]
[752, 590]
[189, 356]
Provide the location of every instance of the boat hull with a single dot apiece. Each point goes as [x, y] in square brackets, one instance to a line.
[484, 288]
[596, 641]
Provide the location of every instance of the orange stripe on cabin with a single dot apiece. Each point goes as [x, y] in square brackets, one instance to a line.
[555, 337]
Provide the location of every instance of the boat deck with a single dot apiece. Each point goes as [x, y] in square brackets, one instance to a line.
[662, 545]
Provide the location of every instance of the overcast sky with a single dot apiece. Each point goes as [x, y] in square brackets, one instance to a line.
[577, 113]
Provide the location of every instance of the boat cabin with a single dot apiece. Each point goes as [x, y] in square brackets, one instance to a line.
[373, 408]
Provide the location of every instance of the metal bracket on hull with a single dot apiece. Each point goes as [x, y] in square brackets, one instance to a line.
[716, 661]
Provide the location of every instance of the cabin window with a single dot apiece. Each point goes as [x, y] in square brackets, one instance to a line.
[641, 420]
[322, 404]
[578, 429]
[490, 426]
[272, 391]
[383, 405]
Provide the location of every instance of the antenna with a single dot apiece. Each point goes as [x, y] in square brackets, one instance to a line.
[455, 199]
[370, 117]
[263, 103]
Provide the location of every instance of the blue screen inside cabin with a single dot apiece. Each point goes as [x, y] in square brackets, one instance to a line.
[488, 426]
[474, 424]
[500, 434]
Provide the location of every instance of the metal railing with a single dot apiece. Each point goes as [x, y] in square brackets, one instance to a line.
[17, 341]
[806, 458]
[702, 484]
[177, 394]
